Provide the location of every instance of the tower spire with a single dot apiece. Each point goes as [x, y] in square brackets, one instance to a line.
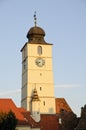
[35, 19]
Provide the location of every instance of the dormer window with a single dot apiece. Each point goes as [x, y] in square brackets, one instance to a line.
[39, 50]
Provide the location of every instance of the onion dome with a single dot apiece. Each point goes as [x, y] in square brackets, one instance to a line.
[36, 35]
[35, 96]
[36, 30]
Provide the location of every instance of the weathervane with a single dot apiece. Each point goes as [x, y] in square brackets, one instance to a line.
[35, 19]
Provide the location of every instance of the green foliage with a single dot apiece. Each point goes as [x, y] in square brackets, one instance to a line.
[8, 121]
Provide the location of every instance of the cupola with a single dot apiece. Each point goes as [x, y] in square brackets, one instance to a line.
[36, 34]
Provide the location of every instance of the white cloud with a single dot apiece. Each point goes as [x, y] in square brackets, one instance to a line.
[10, 92]
[67, 85]
[18, 91]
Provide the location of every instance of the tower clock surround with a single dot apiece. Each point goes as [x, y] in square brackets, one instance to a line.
[40, 62]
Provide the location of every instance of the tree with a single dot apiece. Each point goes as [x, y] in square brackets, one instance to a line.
[69, 120]
[8, 121]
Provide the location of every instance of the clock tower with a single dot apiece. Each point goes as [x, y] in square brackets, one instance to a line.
[37, 73]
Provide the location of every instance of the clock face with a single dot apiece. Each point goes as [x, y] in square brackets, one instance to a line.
[40, 62]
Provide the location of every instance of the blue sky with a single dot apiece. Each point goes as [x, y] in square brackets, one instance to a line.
[64, 22]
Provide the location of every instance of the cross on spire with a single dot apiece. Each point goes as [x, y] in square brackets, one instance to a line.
[35, 19]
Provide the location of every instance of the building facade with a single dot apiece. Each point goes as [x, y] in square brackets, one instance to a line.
[37, 73]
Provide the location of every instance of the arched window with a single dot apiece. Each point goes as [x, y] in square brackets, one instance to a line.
[39, 50]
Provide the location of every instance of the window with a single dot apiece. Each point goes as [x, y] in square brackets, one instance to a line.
[44, 103]
[62, 110]
[40, 88]
[24, 64]
[39, 50]
[40, 74]
[37, 112]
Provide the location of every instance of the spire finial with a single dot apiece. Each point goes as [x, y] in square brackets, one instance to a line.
[35, 19]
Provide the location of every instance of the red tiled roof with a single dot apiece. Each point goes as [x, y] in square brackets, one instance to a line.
[61, 104]
[7, 104]
[47, 122]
